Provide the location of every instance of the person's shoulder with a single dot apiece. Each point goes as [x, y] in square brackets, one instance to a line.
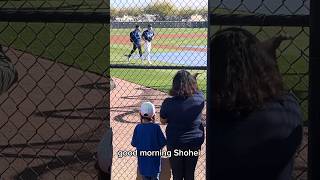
[138, 127]
[168, 100]
[291, 98]
[283, 110]
[286, 101]
[198, 95]
[155, 125]
[144, 33]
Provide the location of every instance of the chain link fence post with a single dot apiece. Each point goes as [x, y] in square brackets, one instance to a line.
[314, 89]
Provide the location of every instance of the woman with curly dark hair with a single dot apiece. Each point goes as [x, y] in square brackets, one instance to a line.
[185, 132]
[257, 127]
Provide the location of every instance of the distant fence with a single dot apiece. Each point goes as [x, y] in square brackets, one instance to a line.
[161, 24]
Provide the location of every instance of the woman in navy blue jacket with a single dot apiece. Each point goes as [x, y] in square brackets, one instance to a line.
[185, 132]
[256, 126]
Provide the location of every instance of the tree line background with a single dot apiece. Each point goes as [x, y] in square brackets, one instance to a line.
[162, 10]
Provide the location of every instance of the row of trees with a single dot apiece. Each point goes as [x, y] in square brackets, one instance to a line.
[162, 10]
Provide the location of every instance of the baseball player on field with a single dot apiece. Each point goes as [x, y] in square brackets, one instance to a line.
[135, 38]
[147, 36]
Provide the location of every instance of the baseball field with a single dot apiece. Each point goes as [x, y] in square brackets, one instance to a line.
[178, 47]
[173, 46]
[84, 46]
[47, 131]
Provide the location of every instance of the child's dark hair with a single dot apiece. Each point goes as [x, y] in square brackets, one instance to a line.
[183, 85]
[245, 74]
[146, 118]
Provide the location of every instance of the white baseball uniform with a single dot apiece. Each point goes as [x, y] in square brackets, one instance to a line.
[148, 36]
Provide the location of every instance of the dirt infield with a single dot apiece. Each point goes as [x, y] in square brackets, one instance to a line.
[51, 121]
[122, 39]
[126, 99]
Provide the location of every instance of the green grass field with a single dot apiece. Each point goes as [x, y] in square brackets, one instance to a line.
[85, 46]
[164, 31]
[158, 79]
[80, 45]
[293, 61]
[290, 60]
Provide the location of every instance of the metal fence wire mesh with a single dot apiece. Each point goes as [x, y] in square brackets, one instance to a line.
[52, 118]
[266, 19]
[180, 42]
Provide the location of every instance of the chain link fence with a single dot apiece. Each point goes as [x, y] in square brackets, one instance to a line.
[180, 42]
[55, 114]
[52, 118]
